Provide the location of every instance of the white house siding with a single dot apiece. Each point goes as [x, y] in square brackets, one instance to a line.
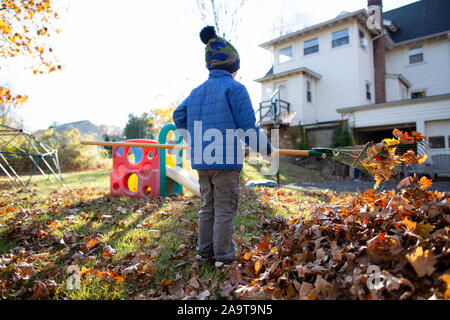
[309, 109]
[365, 67]
[341, 76]
[294, 96]
[392, 89]
[293, 93]
[395, 89]
[417, 111]
[432, 75]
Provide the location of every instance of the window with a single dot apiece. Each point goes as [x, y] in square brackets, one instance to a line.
[362, 39]
[311, 46]
[340, 38]
[418, 94]
[285, 54]
[415, 55]
[283, 90]
[368, 93]
[308, 91]
[437, 142]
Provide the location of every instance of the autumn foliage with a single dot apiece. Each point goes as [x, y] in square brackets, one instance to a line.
[382, 159]
[374, 245]
[25, 27]
[369, 245]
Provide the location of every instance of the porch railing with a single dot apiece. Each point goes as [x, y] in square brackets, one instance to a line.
[271, 113]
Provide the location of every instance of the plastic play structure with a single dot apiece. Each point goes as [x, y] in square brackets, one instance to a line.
[149, 172]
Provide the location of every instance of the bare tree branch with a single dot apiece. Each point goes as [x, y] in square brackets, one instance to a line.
[226, 15]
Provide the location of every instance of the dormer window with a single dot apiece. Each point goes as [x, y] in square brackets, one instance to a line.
[340, 38]
[285, 54]
[415, 55]
[311, 46]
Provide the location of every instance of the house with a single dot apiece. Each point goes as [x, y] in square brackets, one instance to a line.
[374, 77]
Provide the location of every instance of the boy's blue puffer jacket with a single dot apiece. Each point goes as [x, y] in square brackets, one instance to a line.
[220, 103]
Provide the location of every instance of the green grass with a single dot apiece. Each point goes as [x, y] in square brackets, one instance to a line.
[289, 173]
[157, 235]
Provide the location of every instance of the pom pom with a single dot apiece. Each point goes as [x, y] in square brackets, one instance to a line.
[207, 33]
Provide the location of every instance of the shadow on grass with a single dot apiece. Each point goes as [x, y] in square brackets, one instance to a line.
[129, 225]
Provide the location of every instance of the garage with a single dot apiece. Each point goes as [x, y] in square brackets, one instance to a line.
[438, 133]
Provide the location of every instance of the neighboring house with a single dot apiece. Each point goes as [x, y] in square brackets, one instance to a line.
[344, 69]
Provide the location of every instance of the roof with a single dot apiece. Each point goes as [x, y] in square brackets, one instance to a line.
[400, 77]
[393, 103]
[270, 75]
[419, 19]
[340, 17]
[413, 21]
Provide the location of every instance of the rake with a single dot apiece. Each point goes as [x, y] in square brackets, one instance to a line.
[354, 156]
[351, 156]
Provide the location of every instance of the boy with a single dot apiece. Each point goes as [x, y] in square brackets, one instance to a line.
[218, 108]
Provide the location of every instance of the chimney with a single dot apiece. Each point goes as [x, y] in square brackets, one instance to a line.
[379, 57]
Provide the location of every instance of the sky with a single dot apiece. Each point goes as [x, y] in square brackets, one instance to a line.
[123, 57]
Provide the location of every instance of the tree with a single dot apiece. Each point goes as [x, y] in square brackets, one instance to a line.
[8, 102]
[162, 116]
[25, 27]
[110, 130]
[288, 22]
[138, 127]
[226, 15]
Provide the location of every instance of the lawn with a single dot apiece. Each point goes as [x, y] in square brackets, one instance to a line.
[72, 240]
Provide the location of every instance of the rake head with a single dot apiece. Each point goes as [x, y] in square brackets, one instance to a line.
[352, 155]
[388, 159]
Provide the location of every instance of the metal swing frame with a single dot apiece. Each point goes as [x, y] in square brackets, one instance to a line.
[37, 151]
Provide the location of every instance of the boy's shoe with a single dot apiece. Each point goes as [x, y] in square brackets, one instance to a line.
[222, 264]
[202, 258]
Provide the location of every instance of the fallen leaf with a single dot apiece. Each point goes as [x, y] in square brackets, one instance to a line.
[92, 243]
[410, 224]
[425, 183]
[40, 291]
[404, 183]
[424, 229]
[446, 278]
[422, 261]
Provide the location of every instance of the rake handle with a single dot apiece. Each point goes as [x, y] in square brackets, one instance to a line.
[307, 153]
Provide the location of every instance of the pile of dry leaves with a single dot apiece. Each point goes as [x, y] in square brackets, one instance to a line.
[370, 245]
[388, 245]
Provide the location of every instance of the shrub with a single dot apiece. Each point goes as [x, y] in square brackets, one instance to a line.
[341, 136]
[71, 154]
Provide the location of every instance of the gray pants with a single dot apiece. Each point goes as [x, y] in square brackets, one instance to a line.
[220, 198]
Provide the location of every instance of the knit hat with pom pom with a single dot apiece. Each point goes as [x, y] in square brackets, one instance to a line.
[219, 53]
